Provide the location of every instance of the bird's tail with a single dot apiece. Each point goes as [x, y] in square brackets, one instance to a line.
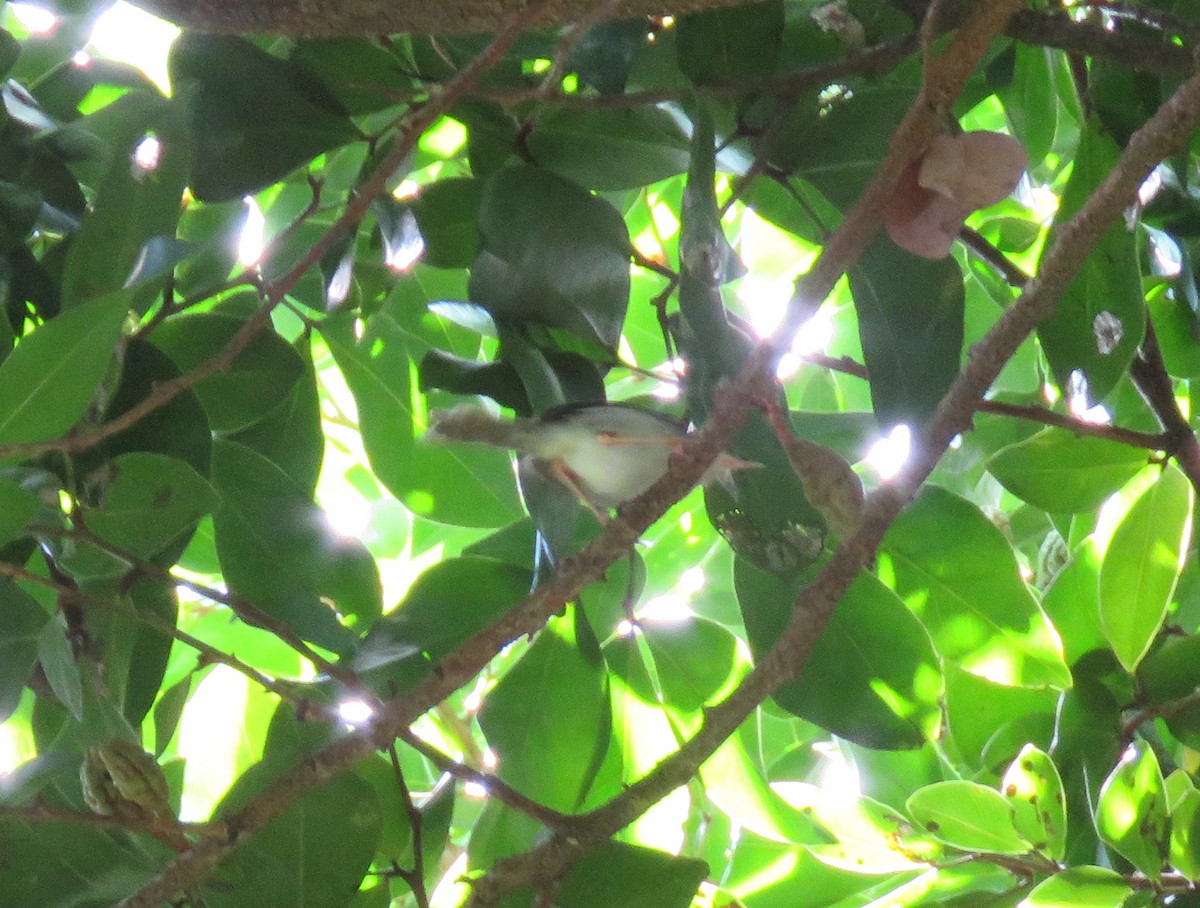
[470, 423]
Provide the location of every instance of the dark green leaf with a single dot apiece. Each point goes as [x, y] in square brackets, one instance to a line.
[313, 855]
[254, 118]
[363, 75]
[446, 212]
[260, 379]
[456, 484]
[553, 254]
[547, 719]
[58, 663]
[724, 45]
[472, 590]
[619, 875]
[609, 149]
[147, 501]
[22, 621]
[1100, 319]
[872, 676]
[278, 550]
[903, 321]
[18, 506]
[837, 144]
[47, 382]
[135, 203]
[177, 429]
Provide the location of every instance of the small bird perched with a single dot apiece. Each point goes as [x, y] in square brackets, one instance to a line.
[604, 453]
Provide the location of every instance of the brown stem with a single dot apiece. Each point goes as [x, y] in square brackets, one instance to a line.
[1149, 374]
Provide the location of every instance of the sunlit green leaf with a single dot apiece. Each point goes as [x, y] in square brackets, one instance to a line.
[1080, 887]
[1131, 814]
[959, 575]
[1035, 791]
[1064, 473]
[967, 816]
[1142, 565]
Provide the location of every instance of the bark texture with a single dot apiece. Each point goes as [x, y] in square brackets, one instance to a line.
[377, 17]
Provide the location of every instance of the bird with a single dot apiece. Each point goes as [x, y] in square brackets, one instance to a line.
[604, 453]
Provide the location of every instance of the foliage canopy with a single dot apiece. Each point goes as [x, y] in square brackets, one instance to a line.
[238, 587]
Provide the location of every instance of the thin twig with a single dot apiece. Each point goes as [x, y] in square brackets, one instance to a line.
[416, 824]
[1149, 374]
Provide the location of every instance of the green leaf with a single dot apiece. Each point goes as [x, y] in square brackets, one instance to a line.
[619, 875]
[1175, 330]
[178, 429]
[960, 576]
[474, 589]
[1131, 814]
[1030, 101]
[722, 45]
[148, 501]
[261, 377]
[254, 118]
[1072, 604]
[61, 670]
[1064, 473]
[54, 865]
[446, 213]
[313, 855]
[1080, 887]
[872, 676]
[458, 484]
[694, 660]
[1142, 564]
[277, 549]
[967, 816]
[1035, 791]
[990, 722]
[134, 204]
[1185, 834]
[736, 784]
[837, 145]
[547, 719]
[47, 382]
[360, 72]
[901, 322]
[1101, 318]
[18, 506]
[553, 254]
[291, 435]
[22, 622]
[609, 149]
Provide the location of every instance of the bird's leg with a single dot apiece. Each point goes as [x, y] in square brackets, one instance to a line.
[565, 475]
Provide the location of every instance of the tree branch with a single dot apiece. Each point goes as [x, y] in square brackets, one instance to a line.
[1149, 374]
